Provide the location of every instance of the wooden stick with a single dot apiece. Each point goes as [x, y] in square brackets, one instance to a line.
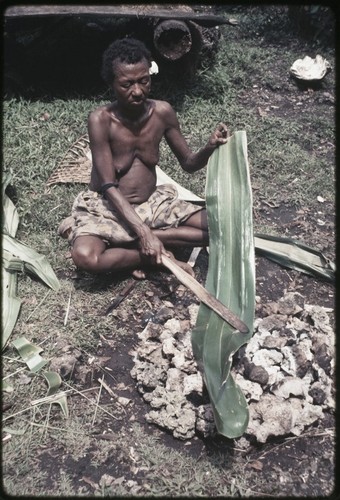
[193, 256]
[204, 296]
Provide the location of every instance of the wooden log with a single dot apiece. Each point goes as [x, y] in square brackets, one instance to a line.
[128, 11]
[172, 39]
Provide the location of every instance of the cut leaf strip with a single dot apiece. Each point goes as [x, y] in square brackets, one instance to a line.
[30, 354]
[54, 382]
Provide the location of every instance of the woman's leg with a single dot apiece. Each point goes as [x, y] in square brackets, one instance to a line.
[193, 232]
[91, 254]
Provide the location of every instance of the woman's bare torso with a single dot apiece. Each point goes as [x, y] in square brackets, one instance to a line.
[134, 146]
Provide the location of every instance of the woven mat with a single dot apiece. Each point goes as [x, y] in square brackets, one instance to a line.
[76, 165]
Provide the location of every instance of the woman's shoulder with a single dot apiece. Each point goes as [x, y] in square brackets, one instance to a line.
[102, 113]
[164, 108]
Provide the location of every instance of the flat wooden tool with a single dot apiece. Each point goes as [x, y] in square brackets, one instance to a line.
[204, 296]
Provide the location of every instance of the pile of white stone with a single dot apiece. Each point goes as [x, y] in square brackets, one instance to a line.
[286, 372]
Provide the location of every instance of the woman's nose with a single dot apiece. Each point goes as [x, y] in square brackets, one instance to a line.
[136, 90]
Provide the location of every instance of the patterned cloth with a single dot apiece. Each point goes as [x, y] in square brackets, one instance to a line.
[92, 215]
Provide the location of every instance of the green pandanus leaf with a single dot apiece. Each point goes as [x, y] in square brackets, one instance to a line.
[295, 255]
[17, 257]
[20, 257]
[230, 278]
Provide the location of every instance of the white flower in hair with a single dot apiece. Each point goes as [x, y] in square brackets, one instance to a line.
[154, 68]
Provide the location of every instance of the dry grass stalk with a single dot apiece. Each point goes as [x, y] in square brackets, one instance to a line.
[68, 309]
[97, 403]
[90, 401]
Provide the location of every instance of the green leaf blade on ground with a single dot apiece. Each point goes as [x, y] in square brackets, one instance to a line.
[295, 255]
[231, 419]
[10, 216]
[231, 278]
[58, 398]
[17, 257]
[10, 304]
[34, 262]
[54, 382]
[30, 354]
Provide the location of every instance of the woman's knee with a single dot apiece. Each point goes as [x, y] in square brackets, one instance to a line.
[86, 256]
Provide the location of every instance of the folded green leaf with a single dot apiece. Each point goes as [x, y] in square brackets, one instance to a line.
[295, 255]
[17, 257]
[231, 278]
[10, 217]
[6, 387]
[62, 402]
[60, 399]
[10, 304]
[30, 354]
[6, 179]
[33, 261]
[54, 382]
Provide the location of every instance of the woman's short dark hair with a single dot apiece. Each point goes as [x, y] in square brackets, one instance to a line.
[127, 50]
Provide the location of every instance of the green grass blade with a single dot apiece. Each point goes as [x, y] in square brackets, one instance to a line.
[34, 262]
[231, 278]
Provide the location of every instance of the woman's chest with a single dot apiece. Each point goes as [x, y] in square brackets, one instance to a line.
[136, 136]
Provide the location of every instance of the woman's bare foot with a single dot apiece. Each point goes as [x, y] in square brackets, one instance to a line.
[138, 274]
